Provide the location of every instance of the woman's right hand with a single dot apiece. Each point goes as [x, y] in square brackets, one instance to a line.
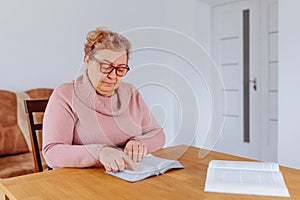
[115, 160]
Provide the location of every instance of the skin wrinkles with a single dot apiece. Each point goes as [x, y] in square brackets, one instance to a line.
[105, 84]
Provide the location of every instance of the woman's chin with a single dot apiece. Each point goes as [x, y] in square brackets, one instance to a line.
[106, 93]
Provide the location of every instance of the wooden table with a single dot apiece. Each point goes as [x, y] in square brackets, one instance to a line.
[94, 183]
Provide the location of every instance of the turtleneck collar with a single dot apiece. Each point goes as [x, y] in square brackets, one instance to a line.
[111, 106]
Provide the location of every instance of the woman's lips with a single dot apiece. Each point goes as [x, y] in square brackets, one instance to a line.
[106, 83]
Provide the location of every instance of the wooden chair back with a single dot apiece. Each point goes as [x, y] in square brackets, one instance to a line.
[31, 107]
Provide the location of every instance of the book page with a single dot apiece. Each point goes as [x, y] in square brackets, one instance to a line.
[265, 166]
[171, 165]
[152, 164]
[148, 166]
[131, 177]
[242, 181]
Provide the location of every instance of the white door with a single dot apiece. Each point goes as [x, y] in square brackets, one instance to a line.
[236, 50]
[269, 72]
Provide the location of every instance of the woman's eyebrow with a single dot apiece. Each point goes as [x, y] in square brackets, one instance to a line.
[107, 61]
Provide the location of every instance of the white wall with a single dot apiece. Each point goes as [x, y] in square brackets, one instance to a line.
[289, 82]
[42, 41]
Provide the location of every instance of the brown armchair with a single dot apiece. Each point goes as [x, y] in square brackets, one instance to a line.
[15, 145]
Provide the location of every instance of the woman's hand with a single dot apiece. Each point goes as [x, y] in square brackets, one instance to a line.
[136, 150]
[115, 160]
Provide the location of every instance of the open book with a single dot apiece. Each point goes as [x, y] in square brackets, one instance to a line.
[148, 166]
[256, 178]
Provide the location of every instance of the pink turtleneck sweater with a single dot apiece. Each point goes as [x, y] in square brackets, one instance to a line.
[78, 123]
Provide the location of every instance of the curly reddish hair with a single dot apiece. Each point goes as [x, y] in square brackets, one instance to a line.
[102, 38]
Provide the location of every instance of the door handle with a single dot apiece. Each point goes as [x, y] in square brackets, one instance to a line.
[254, 83]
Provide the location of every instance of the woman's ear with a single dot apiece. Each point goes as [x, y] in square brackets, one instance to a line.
[86, 61]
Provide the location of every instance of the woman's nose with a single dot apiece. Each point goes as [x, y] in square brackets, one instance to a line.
[112, 74]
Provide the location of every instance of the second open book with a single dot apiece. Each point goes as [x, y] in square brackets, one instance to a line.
[148, 166]
[256, 178]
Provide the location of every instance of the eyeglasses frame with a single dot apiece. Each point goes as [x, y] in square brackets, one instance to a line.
[92, 57]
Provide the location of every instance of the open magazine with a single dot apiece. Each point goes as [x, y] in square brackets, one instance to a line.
[256, 178]
[148, 166]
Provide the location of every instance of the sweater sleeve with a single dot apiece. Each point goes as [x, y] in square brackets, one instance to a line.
[58, 127]
[152, 134]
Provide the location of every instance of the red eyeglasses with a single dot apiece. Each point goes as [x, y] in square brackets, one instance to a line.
[107, 67]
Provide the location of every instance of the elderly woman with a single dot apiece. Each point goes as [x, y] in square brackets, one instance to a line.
[97, 119]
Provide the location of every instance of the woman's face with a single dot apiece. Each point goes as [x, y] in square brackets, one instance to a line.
[105, 84]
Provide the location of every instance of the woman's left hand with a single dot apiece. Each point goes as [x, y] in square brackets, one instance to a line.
[136, 150]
